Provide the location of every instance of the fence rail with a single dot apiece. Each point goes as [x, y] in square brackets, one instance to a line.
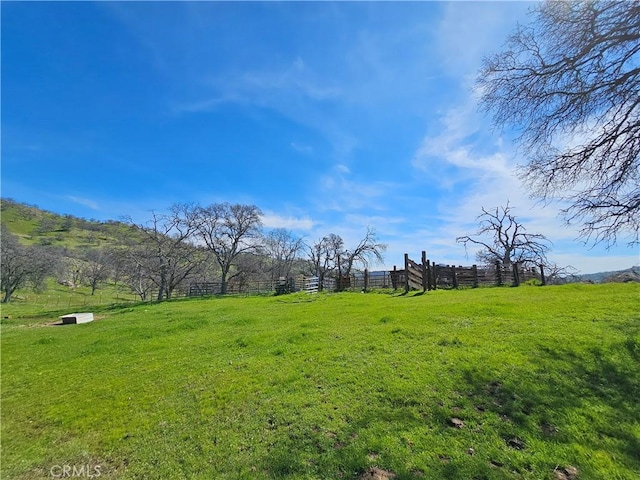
[428, 275]
[311, 284]
[360, 281]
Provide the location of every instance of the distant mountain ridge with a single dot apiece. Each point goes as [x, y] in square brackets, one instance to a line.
[627, 275]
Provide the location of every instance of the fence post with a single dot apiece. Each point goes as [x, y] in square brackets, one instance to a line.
[516, 275]
[429, 287]
[394, 278]
[434, 272]
[474, 269]
[424, 271]
[366, 279]
[498, 273]
[455, 276]
[406, 273]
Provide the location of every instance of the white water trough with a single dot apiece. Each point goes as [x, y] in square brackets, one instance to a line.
[73, 318]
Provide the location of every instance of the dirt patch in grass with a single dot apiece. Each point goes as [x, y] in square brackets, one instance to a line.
[376, 473]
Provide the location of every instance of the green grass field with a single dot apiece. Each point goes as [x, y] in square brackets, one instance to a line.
[499, 383]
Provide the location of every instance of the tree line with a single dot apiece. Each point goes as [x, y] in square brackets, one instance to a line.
[226, 244]
[188, 243]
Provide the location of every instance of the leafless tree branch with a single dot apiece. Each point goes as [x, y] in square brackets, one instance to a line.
[569, 83]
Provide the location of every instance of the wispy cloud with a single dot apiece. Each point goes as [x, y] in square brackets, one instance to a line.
[301, 147]
[207, 104]
[296, 77]
[275, 220]
[85, 202]
[281, 88]
[469, 31]
[477, 169]
[460, 155]
[342, 168]
[339, 192]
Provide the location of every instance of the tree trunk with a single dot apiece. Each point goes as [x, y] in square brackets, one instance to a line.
[223, 282]
[7, 295]
[163, 287]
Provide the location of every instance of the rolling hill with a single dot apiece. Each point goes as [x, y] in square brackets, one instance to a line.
[35, 226]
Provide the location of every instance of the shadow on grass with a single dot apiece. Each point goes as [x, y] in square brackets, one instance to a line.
[590, 398]
[410, 294]
[527, 422]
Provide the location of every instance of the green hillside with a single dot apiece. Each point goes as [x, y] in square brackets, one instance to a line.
[35, 226]
[501, 383]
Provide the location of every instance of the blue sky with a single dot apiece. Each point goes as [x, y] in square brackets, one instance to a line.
[330, 117]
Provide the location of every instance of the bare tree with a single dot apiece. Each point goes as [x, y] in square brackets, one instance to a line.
[165, 253]
[14, 265]
[247, 268]
[570, 84]
[368, 249]
[97, 266]
[502, 238]
[227, 231]
[325, 256]
[135, 275]
[330, 257]
[282, 248]
[555, 274]
[70, 271]
[20, 265]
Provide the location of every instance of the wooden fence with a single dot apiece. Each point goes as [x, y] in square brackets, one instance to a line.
[356, 281]
[203, 289]
[311, 284]
[279, 287]
[428, 275]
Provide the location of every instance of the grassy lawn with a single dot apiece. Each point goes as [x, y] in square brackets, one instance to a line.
[500, 383]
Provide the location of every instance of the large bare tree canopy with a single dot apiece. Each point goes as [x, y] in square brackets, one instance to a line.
[503, 238]
[569, 83]
[228, 231]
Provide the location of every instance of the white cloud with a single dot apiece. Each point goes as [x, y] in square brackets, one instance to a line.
[469, 31]
[459, 140]
[275, 220]
[474, 169]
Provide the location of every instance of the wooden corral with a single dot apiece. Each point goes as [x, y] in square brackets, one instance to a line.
[428, 275]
